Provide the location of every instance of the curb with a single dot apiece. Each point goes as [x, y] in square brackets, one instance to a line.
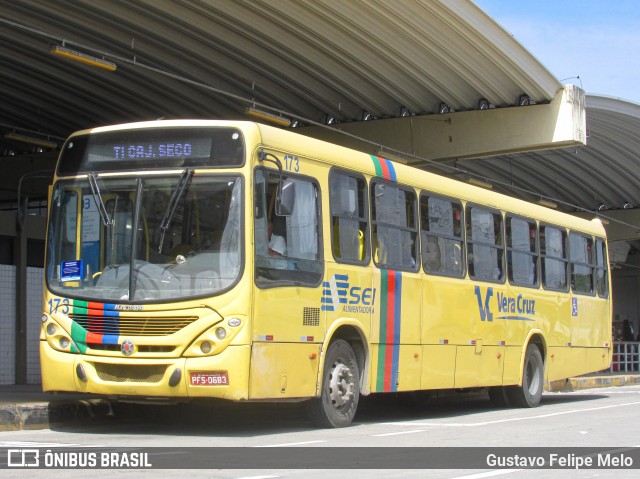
[42, 415]
[15, 417]
[577, 384]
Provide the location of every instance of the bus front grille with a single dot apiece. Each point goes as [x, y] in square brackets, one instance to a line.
[130, 373]
[133, 326]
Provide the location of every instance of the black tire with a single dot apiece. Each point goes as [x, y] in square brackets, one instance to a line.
[530, 392]
[499, 396]
[338, 400]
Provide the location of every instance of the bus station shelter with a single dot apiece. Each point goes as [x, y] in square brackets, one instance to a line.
[435, 84]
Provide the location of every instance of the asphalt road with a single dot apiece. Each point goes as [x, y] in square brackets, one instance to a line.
[606, 418]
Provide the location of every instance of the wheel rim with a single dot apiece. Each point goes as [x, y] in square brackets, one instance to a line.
[341, 385]
[533, 378]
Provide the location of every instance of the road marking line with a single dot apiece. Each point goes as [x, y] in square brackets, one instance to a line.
[481, 475]
[292, 444]
[497, 421]
[37, 444]
[399, 433]
[258, 477]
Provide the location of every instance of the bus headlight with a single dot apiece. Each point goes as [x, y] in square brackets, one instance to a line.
[58, 338]
[206, 347]
[215, 339]
[221, 333]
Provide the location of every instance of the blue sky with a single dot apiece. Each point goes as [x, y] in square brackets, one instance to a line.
[597, 40]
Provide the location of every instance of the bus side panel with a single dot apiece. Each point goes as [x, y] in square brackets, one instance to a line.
[289, 314]
[438, 366]
[395, 322]
[479, 365]
[548, 311]
[481, 322]
[598, 359]
[513, 357]
[590, 321]
[565, 362]
[347, 293]
[446, 318]
[281, 370]
[406, 376]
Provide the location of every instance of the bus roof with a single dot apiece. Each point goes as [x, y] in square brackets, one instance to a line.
[350, 159]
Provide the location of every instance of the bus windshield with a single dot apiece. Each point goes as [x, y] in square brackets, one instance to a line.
[145, 239]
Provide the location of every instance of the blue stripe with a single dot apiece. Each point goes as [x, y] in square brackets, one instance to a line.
[326, 300]
[392, 171]
[327, 308]
[341, 277]
[109, 339]
[396, 331]
[342, 285]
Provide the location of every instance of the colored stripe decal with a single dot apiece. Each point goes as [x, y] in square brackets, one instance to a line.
[384, 168]
[376, 165]
[102, 316]
[390, 322]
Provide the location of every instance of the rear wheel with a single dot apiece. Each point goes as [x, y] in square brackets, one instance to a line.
[338, 401]
[530, 392]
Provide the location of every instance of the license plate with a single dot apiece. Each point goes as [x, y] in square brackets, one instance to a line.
[209, 378]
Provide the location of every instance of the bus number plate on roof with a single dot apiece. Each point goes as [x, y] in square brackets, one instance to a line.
[209, 378]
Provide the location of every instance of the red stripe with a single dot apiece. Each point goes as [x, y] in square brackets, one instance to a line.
[93, 338]
[95, 309]
[385, 168]
[388, 360]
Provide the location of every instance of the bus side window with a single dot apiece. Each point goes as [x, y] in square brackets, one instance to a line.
[441, 231]
[395, 226]
[299, 259]
[485, 248]
[348, 217]
[581, 255]
[522, 251]
[602, 278]
[553, 251]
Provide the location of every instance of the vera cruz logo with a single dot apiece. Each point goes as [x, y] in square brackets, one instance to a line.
[338, 294]
[519, 308]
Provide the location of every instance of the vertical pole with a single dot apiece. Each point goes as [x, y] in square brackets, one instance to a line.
[20, 261]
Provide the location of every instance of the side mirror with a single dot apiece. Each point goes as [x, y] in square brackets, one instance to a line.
[286, 198]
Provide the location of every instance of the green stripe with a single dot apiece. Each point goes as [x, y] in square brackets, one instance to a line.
[382, 349]
[79, 336]
[79, 307]
[376, 164]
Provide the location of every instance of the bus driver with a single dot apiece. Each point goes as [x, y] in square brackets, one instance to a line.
[277, 244]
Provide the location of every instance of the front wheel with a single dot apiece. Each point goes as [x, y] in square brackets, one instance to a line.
[338, 401]
[530, 392]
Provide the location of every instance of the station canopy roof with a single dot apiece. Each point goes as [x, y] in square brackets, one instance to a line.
[314, 61]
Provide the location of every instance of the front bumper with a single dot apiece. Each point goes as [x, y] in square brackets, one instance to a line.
[145, 378]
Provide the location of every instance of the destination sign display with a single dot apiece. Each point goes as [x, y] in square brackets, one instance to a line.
[153, 148]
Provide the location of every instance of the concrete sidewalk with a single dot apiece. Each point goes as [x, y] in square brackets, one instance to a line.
[27, 407]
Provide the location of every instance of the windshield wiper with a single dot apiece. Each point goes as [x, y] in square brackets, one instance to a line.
[97, 198]
[183, 184]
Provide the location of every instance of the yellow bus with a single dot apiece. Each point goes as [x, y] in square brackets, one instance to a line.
[229, 259]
